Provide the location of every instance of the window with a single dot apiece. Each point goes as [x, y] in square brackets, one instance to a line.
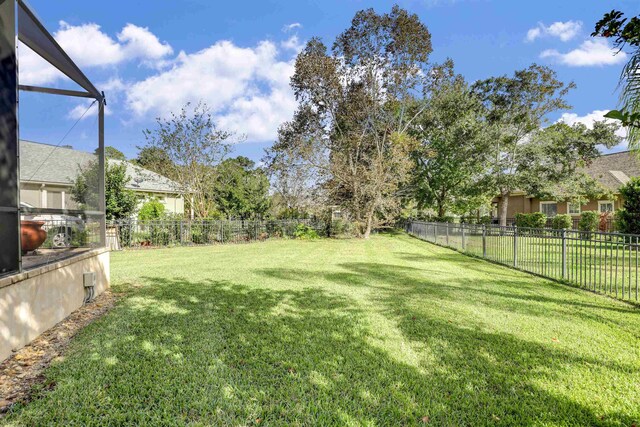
[549, 208]
[605, 206]
[573, 208]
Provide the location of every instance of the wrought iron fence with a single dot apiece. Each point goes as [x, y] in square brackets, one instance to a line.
[602, 262]
[135, 233]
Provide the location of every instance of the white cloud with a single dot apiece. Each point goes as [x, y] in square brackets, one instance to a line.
[596, 52]
[293, 43]
[33, 69]
[533, 34]
[113, 88]
[589, 118]
[139, 42]
[89, 46]
[247, 89]
[565, 31]
[83, 111]
[290, 27]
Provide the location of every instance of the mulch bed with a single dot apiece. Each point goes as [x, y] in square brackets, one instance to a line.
[24, 369]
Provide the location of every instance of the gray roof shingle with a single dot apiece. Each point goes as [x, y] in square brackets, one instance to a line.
[614, 170]
[45, 163]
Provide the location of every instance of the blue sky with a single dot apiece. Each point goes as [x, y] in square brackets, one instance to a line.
[150, 57]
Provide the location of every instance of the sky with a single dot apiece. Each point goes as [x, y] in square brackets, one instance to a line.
[152, 57]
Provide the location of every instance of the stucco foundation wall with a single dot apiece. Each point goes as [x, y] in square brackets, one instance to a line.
[33, 301]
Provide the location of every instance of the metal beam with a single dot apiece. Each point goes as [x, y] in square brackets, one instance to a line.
[101, 180]
[10, 254]
[53, 91]
[33, 34]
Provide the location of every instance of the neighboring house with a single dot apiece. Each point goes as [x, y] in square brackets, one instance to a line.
[47, 174]
[611, 171]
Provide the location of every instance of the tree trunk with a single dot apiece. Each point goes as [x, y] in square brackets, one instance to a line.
[441, 211]
[367, 231]
[502, 207]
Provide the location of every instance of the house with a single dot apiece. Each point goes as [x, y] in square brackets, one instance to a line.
[611, 171]
[47, 174]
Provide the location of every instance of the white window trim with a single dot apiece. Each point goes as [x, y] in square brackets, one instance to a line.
[574, 214]
[548, 203]
[602, 202]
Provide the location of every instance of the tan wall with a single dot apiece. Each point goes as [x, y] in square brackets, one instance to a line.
[31, 194]
[591, 205]
[47, 196]
[173, 204]
[517, 204]
[33, 301]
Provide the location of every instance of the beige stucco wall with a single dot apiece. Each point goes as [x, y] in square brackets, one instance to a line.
[47, 196]
[42, 196]
[33, 301]
[524, 204]
[173, 203]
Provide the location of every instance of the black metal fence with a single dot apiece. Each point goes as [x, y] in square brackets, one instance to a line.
[602, 262]
[157, 233]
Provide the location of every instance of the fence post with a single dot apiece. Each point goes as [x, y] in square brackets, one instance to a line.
[462, 229]
[447, 224]
[484, 240]
[515, 246]
[564, 253]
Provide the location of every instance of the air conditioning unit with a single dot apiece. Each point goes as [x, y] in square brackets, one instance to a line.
[89, 279]
[89, 282]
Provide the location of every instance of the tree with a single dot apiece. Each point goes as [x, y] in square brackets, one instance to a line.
[293, 187]
[113, 153]
[350, 128]
[151, 209]
[628, 218]
[552, 160]
[193, 145]
[154, 159]
[454, 140]
[240, 190]
[516, 109]
[120, 202]
[626, 33]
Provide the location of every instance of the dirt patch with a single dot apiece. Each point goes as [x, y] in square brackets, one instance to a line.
[24, 369]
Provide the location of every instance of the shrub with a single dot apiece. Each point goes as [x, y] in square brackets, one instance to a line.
[305, 232]
[562, 222]
[253, 229]
[485, 219]
[628, 218]
[340, 228]
[274, 228]
[531, 220]
[588, 221]
[151, 209]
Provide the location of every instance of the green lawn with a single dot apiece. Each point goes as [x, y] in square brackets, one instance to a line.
[390, 331]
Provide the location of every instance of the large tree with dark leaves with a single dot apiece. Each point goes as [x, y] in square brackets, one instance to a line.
[524, 155]
[350, 128]
[454, 140]
[240, 190]
[626, 35]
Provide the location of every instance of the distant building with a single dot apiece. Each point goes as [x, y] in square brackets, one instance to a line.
[47, 174]
[611, 171]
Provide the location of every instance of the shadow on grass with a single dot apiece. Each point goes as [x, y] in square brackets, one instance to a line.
[214, 352]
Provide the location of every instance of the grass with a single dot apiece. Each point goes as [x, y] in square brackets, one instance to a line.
[390, 331]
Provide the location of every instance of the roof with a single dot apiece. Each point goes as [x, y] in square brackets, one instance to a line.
[615, 169]
[43, 163]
